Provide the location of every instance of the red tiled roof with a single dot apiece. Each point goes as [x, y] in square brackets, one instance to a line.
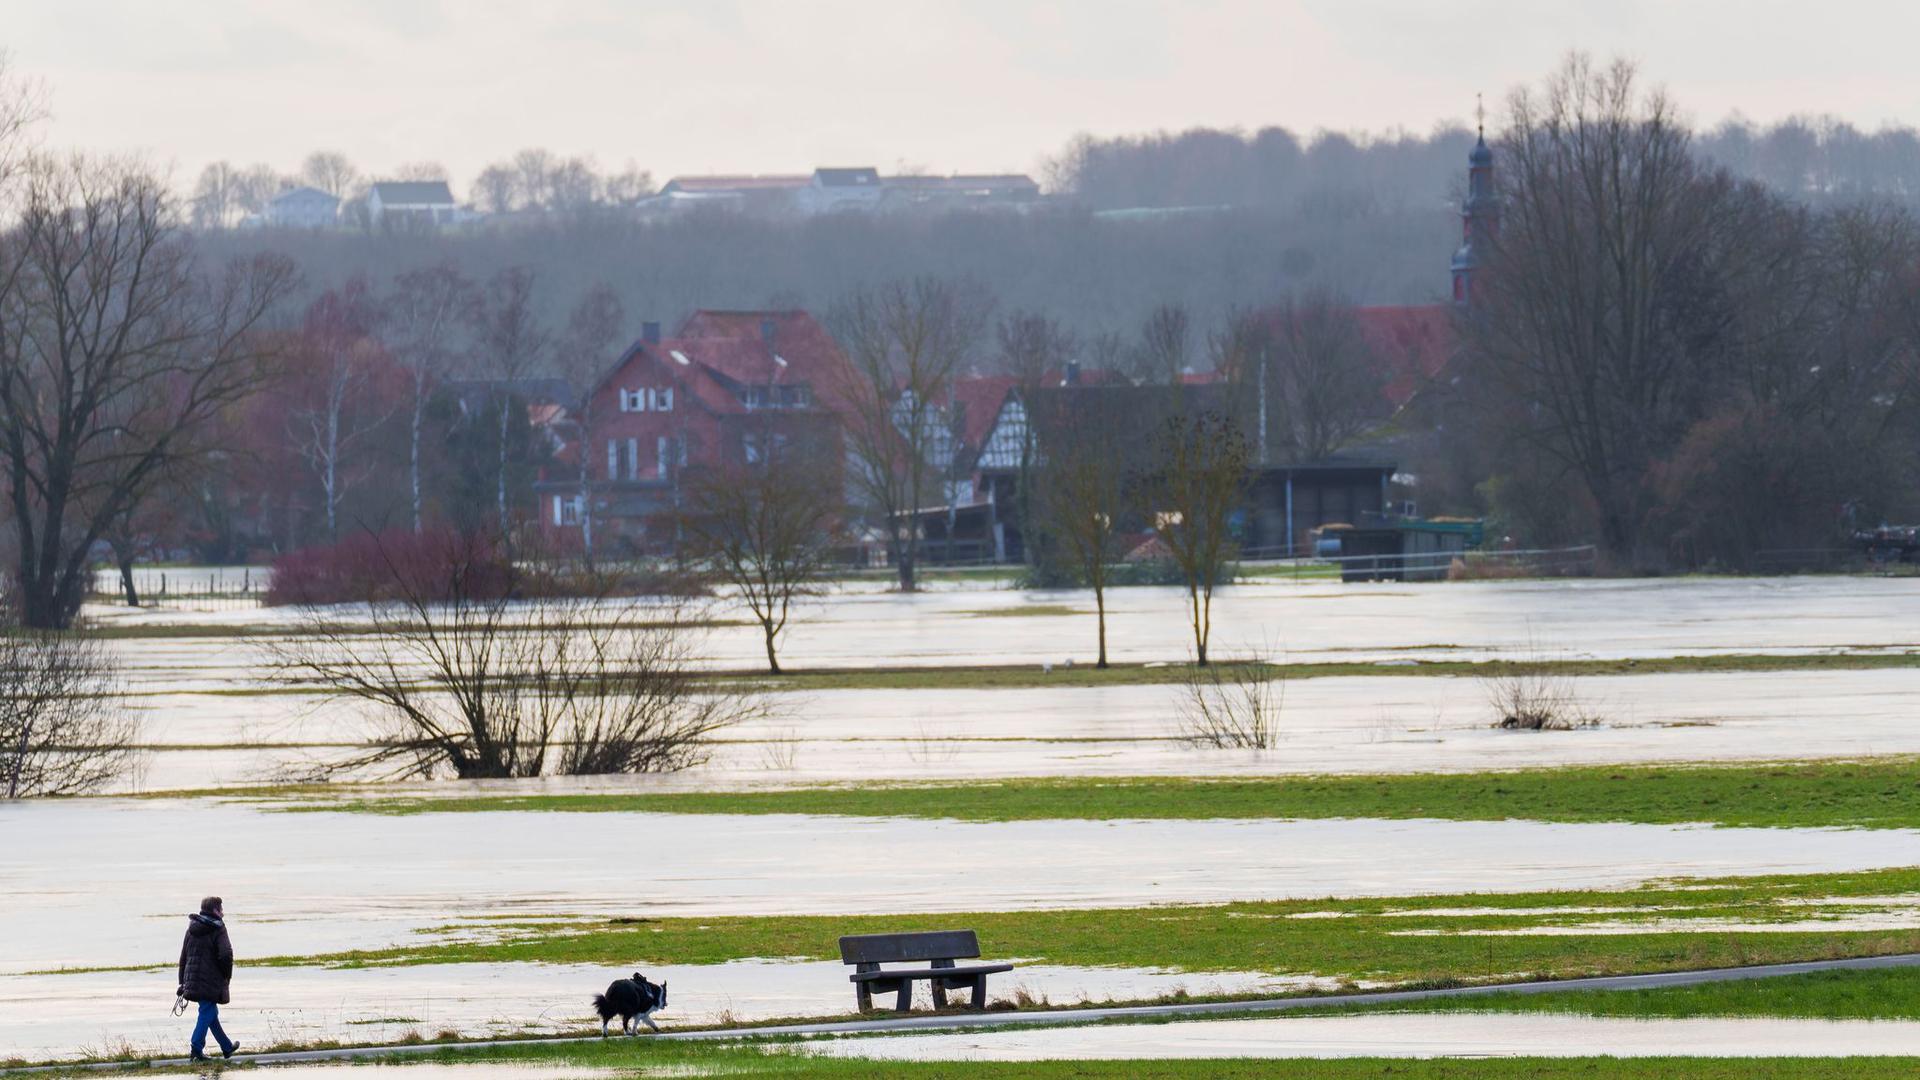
[978, 401]
[726, 350]
[1413, 343]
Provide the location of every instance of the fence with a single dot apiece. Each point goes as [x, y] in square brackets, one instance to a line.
[188, 588]
[1578, 561]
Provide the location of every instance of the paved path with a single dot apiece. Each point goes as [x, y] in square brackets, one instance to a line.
[950, 1021]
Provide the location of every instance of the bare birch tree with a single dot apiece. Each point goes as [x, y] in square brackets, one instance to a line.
[510, 343]
[337, 370]
[585, 353]
[422, 318]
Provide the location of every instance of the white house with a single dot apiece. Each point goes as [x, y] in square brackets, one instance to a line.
[303, 208]
[403, 203]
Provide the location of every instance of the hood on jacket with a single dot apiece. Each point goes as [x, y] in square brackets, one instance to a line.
[201, 925]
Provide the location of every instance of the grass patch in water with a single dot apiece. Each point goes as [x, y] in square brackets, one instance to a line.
[1871, 793]
[1430, 940]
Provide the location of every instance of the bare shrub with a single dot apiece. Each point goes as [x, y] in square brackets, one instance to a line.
[64, 728]
[1531, 697]
[1232, 705]
[571, 681]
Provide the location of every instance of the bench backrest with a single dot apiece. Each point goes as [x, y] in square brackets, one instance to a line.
[896, 948]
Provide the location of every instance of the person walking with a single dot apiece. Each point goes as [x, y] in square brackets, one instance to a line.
[206, 972]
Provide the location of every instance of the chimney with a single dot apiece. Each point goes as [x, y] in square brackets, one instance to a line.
[1073, 374]
[650, 333]
[766, 332]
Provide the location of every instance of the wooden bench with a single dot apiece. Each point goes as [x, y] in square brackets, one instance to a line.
[938, 950]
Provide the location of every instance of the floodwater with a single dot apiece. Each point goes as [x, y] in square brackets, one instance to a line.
[1338, 725]
[106, 882]
[44, 1018]
[1294, 621]
[1414, 1035]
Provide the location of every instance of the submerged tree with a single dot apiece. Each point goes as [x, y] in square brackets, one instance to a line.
[1082, 483]
[478, 666]
[64, 729]
[1194, 485]
[768, 527]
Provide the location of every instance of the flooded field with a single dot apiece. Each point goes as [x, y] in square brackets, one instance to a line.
[105, 882]
[1345, 725]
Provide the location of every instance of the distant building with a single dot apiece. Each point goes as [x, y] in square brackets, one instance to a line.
[728, 388]
[411, 204]
[302, 208]
[858, 189]
[1010, 190]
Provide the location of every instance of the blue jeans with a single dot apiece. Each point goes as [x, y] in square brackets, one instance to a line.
[209, 1021]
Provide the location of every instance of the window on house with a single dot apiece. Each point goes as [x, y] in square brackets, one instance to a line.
[666, 399]
[750, 448]
[613, 459]
[633, 459]
[566, 510]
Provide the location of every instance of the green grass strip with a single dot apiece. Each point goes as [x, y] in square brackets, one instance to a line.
[1873, 793]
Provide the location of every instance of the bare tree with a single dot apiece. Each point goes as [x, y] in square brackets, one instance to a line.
[493, 189]
[1581, 313]
[478, 667]
[1034, 349]
[115, 348]
[216, 196]
[585, 352]
[1316, 383]
[64, 728]
[908, 341]
[421, 170]
[337, 356]
[1082, 486]
[510, 343]
[1194, 486]
[255, 186]
[331, 172]
[1165, 350]
[629, 185]
[422, 318]
[1234, 705]
[768, 526]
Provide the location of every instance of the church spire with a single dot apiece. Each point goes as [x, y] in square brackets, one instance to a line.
[1479, 213]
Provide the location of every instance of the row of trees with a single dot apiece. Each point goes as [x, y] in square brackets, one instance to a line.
[534, 179]
[1685, 366]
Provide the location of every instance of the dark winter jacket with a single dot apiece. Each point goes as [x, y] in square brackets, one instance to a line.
[206, 960]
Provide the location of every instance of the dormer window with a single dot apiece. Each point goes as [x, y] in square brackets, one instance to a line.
[647, 399]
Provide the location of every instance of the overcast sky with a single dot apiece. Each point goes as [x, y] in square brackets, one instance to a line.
[950, 85]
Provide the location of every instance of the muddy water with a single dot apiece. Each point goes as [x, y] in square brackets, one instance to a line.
[1405, 1036]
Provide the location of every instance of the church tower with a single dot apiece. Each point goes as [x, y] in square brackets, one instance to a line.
[1479, 219]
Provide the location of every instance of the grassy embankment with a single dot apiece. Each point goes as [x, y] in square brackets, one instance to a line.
[1872, 793]
[1430, 940]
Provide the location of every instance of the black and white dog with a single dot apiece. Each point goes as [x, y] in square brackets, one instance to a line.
[630, 999]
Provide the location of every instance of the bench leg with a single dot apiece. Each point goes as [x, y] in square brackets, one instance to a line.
[939, 993]
[979, 992]
[863, 996]
[905, 1002]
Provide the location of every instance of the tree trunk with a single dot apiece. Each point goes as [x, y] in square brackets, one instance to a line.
[125, 560]
[501, 481]
[413, 458]
[773, 661]
[1100, 608]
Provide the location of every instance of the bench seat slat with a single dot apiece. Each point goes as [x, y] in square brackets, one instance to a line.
[930, 973]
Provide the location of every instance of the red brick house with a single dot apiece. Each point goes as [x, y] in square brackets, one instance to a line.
[726, 388]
